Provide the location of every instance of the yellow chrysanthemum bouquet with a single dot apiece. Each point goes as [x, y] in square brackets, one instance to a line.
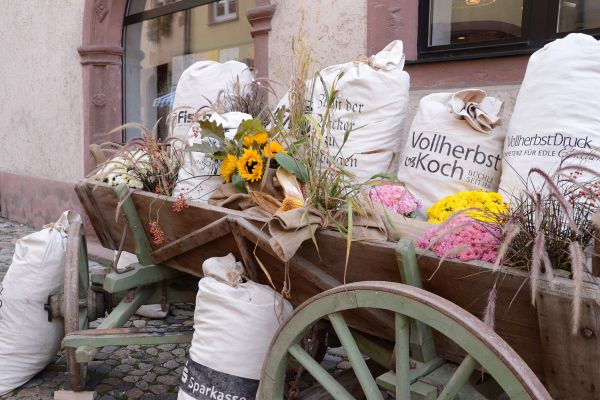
[245, 157]
[477, 204]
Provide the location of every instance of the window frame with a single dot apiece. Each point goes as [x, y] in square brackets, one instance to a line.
[228, 16]
[538, 28]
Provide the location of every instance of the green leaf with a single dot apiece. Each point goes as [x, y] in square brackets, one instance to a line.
[238, 183]
[249, 127]
[210, 129]
[293, 166]
[204, 147]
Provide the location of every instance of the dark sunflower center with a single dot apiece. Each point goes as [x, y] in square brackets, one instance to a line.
[251, 165]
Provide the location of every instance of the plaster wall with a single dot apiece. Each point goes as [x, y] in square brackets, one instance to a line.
[335, 30]
[41, 133]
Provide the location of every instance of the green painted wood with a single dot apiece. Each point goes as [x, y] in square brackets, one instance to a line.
[490, 351]
[364, 376]
[418, 390]
[119, 315]
[422, 346]
[143, 249]
[423, 391]
[335, 389]
[402, 357]
[440, 378]
[373, 350]
[388, 380]
[140, 275]
[151, 337]
[459, 379]
[125, 309]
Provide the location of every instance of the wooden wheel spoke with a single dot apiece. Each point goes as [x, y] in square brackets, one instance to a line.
[335, 389]
[459, 378]
[366, 380]
[402, 357]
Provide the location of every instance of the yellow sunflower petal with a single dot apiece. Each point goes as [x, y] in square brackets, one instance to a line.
[271, 149]
[250, 165]
[228, 167]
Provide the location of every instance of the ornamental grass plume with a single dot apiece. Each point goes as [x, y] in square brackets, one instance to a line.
[548, 227]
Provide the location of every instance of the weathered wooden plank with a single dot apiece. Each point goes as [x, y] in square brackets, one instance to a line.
[95, 215]
[206, 234]
[127, 336]
[570, 360]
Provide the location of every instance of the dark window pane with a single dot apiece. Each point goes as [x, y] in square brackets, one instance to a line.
[233, 6]
[575, 15]
[220, 8]
[471, 21]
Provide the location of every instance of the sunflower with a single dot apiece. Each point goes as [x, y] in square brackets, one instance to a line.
[271, 149]
[250, 165]
[259, 139]
[228, 167]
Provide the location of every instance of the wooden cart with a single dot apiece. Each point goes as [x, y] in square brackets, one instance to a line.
[385, 302]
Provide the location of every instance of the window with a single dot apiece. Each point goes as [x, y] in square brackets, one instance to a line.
[224, 10]
[161, 38]
[475, 28]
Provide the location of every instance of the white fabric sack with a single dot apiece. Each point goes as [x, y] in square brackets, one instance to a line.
[199, 175]
[234, 324]
[452, 146]
[557, 111]
[28, 342]
[200, 86]
[373, 99]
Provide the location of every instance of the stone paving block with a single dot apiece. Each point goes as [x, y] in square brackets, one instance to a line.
[69, 395]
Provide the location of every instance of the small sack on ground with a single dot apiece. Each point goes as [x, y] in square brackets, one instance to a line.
[28, 341]
[234, 323]
[200, 86]
[452, 146]
[556, 112]
[199, 175]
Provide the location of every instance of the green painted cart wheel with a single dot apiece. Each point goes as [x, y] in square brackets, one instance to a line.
[76, 299]
[482, 344]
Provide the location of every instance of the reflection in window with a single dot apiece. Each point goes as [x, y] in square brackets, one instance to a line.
[158, 50]
[471, 21]
[224, 10]
[576, 15]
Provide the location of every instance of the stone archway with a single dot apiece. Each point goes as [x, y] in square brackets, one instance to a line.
[101, 56]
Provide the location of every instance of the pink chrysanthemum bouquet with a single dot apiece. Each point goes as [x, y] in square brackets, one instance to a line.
[464, 238]
[395, 198]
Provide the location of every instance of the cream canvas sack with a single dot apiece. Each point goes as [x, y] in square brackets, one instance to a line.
[199, 175]
[28, 341]
[200, 86]
[557, 111]
[234, 323]
[373, 100]
[452, 146]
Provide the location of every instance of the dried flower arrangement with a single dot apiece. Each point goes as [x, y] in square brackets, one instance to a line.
[144, 162]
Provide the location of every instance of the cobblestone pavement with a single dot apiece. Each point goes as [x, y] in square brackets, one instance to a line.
[131, 372]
